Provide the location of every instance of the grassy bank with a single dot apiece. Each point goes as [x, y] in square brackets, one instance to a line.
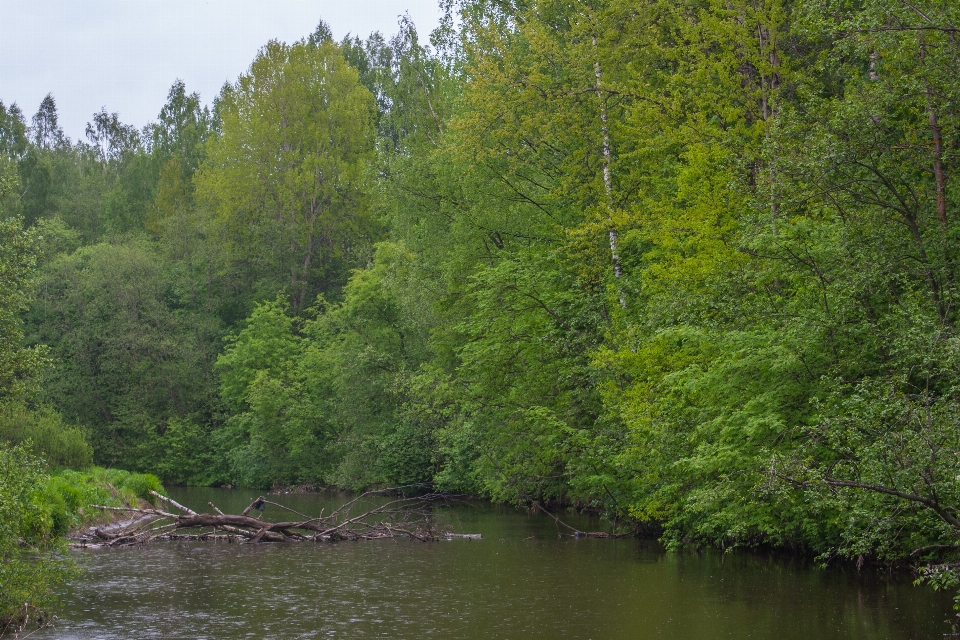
[38, 509]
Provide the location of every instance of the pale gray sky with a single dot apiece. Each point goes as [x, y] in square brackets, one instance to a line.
[125, 54]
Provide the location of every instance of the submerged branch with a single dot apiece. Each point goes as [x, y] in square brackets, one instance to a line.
[576, 532]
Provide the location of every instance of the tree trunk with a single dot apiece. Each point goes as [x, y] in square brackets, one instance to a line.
[607, 179]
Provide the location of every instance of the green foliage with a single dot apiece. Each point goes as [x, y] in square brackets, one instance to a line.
[184, 453]
[31, 567]
[275, 434]
[688, 263]
[287, 175]
[367, 347]
[45, 435]
[61, 502]
[36, 513]
[128, 484]
[132, 351]
[13, 132]
[321, 399]
[19, 364]
[181, 130]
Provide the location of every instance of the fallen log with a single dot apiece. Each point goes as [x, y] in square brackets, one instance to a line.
[399, 516]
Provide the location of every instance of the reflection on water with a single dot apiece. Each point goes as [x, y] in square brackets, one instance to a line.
[520, 581]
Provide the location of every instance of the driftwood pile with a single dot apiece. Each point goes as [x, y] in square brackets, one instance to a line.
[403, 516]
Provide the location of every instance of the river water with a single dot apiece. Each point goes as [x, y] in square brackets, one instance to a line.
[519, 581]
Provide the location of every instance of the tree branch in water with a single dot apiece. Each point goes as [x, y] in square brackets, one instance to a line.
[403, 516]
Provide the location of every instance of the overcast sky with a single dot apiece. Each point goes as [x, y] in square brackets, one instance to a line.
[125, 54]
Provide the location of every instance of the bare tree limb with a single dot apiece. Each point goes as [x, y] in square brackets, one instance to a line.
[403, 516]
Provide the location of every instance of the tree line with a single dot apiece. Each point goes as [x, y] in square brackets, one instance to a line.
[690, 264]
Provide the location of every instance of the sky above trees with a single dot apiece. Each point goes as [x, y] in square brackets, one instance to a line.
[125, 55]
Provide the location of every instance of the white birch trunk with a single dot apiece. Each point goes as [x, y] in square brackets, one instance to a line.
[607, 180]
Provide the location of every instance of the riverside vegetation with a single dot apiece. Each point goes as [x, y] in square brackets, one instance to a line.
[691, 264]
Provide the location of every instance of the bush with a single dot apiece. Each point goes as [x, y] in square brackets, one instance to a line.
[62, 502]
[58, 444]
[36, 512]
[129, 486]
[31, 568]
[183, 454]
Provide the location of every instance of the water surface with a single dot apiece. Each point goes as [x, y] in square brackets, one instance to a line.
[520, 581]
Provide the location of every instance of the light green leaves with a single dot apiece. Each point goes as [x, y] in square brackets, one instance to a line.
[288, 174]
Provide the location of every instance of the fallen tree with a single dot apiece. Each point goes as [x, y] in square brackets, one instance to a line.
[399, 516]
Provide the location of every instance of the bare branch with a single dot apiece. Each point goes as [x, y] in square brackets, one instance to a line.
[172, 503]
[404, 516]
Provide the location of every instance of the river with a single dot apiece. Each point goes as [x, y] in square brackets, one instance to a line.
[520, 581]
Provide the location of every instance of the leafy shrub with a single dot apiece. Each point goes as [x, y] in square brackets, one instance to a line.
[184, 454]
[36, 512]
[58, 444]
[128, 485]
[30, 568]
[62, 502]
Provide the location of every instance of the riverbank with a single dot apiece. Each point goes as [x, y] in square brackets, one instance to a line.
[519, 581]
[38, 511]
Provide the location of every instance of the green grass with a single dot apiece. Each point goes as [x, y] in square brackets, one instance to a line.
[63, 502]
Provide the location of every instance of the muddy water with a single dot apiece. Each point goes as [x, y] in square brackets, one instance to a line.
[520, 581]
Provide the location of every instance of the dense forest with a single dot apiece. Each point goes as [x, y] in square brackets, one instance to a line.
[691, 264]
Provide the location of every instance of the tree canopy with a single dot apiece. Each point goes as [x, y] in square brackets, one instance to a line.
[689, 264]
